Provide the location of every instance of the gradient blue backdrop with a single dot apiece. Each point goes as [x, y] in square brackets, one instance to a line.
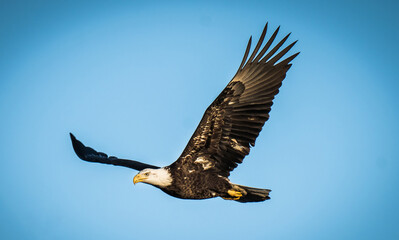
[133, 79]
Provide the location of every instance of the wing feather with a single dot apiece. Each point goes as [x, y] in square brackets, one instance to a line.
[231, 124]
[90, 155]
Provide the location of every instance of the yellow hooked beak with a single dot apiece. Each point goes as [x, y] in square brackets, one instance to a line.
[138, 178]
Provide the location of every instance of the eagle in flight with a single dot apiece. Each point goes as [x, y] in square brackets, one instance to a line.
[224, 136]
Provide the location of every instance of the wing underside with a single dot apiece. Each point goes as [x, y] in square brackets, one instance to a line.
[231, 124]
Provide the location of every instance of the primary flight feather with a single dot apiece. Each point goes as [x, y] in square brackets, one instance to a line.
[225, 134]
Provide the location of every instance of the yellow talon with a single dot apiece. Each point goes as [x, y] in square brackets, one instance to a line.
[235, 195]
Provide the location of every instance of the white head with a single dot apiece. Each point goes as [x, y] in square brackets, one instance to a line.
[158, 177]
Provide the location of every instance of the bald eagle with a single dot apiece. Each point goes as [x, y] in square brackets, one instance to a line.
[224, 136]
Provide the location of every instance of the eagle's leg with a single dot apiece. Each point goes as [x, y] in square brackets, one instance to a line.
[235, 195]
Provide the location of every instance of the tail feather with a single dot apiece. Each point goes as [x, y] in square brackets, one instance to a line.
[254, 194]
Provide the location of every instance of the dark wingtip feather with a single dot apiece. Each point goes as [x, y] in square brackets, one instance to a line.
[244, 59]
[281, 53]
[275, 49]
[258, 45]
[83, 152]
[267, 45]
[78, 147]
[287, 60]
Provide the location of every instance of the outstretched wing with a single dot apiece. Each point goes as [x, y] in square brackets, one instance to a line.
[91, 155]
[233, 121]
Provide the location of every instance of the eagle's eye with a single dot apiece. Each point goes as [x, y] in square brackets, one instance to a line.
[146, 174]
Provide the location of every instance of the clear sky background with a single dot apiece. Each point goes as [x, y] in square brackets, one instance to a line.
[133, 79]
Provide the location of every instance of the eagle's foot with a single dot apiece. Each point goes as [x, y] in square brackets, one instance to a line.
[235, 195]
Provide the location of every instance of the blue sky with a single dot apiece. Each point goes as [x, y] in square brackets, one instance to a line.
[133, 79]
